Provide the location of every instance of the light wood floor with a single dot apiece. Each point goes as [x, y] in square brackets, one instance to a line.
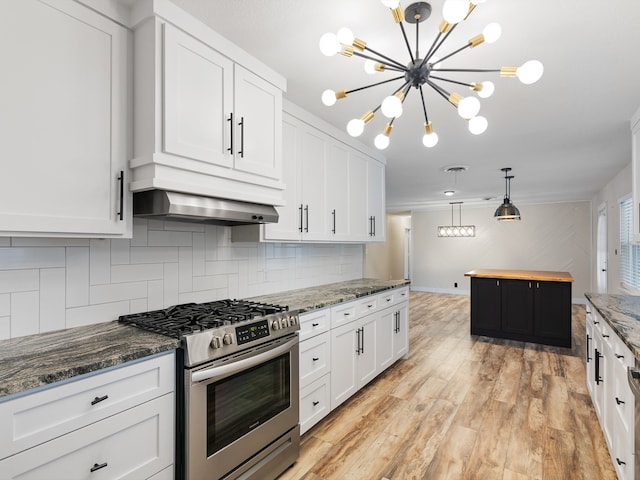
[463, 407]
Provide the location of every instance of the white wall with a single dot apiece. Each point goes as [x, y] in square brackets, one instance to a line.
[611, 194]
[386, 260]
[49, 284]
[554, 237]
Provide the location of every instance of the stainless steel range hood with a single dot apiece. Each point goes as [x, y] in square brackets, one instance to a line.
[163, 204]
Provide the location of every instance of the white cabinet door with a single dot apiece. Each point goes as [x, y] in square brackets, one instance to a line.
[258, 125]
[344, 381]
[198, 99]
[376, 200]
[358, 207]
[312, 158]
[401, 331]
[367, 365]
[385, 338]
[337, 194]
[63, 126]
[289, 221]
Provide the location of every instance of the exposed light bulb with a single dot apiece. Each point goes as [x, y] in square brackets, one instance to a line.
[477, 2]
[430, 140]
[492, 32]
[391, 3]
[478, 125]
[381, 141]
[329, 97]
[329, 44]
[345, 36]
[391, 107]
[530, 72]
[370, 67]
[355, 127]
[487, 89]
[454, 11]
[468, 107]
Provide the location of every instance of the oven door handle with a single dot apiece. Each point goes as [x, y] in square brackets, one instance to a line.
[235, 367]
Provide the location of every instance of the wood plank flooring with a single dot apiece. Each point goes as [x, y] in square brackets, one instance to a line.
[464, 407]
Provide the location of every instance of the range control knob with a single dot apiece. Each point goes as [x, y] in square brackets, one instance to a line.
[216, 342]
[227, 339]
[284, 322]
[293, 320]
[275, 325]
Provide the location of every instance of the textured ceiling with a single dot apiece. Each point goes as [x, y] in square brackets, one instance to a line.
[565, 136]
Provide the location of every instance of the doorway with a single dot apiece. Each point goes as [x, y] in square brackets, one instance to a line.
[601, 249]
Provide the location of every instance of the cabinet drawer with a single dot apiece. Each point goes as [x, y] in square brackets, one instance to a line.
[134, 444]
[38, 417]
[315, 358]
[314, 323]
[343, 313]
[401, 295]
[315, 402]
[387, 299]
[367, 305]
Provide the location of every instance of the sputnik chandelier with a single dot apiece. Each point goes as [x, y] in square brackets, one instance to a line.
[422, 72]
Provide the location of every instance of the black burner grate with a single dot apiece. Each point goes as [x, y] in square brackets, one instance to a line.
[188, 318]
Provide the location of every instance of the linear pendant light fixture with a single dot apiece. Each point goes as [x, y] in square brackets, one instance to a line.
[422, 71]
[457, 230]
[507, 211]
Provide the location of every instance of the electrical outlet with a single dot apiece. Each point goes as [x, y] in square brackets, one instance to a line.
[455, 285]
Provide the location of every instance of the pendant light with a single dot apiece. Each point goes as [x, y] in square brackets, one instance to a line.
[507, 211]
[456, 230]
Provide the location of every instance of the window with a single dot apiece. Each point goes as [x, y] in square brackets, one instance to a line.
[629, 252]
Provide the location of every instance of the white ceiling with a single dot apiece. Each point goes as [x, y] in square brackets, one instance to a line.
[565, 136]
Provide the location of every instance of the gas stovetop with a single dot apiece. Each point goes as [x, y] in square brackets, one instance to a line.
[215, 329]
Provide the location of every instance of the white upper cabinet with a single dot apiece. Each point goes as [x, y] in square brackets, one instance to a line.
[208, 117]
[635, 167]
[64, 122]
[335, 192]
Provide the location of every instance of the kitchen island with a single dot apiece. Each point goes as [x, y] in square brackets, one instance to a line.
[526, 305]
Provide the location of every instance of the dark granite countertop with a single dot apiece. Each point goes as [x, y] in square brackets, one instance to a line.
[37, 360]
[622, 313]
[313, 298]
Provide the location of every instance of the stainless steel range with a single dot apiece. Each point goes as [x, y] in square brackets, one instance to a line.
[238, 413]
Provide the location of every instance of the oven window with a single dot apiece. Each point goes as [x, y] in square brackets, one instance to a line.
[240, 403]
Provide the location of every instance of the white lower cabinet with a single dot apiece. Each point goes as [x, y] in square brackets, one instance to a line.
[607, 360]
[118, 424]
[344, 347]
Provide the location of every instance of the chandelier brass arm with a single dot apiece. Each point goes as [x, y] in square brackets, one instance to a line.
[419, 72]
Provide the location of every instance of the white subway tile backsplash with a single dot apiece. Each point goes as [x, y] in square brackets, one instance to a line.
[185, 270]
[135, 273]
[46, 284]
[25, 313]
[170, 284]
[5, 305]
[166, 238]
[117, 292]
[19, 280]
[77, 276]
[52, 299]
[12, 258]
[5, 327]
[92, 314]
[99, 262]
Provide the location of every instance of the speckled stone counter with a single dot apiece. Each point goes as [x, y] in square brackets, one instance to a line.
[622, 313]
[37, 360]
[312, 298]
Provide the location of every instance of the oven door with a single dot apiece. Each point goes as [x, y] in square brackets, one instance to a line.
[239, 405]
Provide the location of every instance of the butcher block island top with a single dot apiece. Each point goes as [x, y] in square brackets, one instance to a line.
[542, 276]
